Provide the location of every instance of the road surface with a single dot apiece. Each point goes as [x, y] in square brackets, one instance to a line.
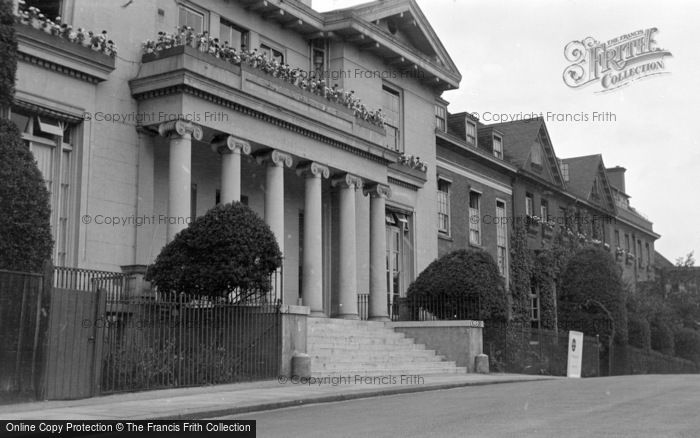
[629, 406]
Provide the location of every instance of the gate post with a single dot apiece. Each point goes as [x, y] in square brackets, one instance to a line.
[98, 344]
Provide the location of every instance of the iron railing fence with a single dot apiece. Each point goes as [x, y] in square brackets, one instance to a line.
[421, 308]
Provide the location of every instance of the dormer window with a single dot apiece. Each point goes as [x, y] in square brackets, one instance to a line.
[440, 118]
[497, 147]
[564, 167]
[471, 133]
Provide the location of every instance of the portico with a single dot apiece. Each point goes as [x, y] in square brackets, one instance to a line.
[275, 183]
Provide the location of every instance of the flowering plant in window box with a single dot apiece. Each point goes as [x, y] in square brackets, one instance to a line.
[606, 246]
[33, 17]
[596, 242]
[581, 237]
[549, 225]
[414, 162]
[308, 82]
[630, 257]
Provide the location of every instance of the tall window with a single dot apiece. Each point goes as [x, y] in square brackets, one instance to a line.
[271, 53]
[443, 201]
[564, 167]
[617, 238]
[318, 56]
[627, 242]
[471, 133]
[497, 147]
[648, 253]
[529, 204]
[536, 154]
[51, 143]
[440, 118]
[639, 253]
[474, 218]
[544, 209]
[534, 306]
[236, 37]
[391, 108]
[190, 17]
[501, 236]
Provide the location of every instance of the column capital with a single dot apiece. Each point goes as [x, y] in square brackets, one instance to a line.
[273, 157]
[377, 190]
[312, 169]
[229, 144]
[180, 128]
[347, 180]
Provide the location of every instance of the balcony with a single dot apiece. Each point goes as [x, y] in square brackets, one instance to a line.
[184, 66]
[54, 53]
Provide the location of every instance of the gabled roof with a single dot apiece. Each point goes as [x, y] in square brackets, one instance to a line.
[582, 174]
[518, 137]
[419, 49]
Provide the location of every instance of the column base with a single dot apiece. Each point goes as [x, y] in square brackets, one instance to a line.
[348, 316]
[379, 318]
[317, 314]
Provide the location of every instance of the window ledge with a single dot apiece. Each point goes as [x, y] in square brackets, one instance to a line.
[443, 236]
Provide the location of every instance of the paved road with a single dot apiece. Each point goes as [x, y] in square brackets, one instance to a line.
[629, 406]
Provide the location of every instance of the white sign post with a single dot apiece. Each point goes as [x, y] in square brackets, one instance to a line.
[575, 357]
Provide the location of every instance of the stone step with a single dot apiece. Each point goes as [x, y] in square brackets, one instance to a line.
[394, 372]
[340, 352]
[342, 346]
[350, 339]
[323, 357]
[385, 364]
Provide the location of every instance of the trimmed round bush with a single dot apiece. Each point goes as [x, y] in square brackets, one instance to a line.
[25, 222]
[452, 285]
[662, 337]
[592, 292]
[639, 332]
[228, 250]
[687, 343]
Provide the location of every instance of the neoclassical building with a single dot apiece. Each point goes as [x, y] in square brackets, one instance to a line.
[136, 144]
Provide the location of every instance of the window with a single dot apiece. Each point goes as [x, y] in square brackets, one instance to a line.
[564, 167]
[440, 118]
[271, 53]
[536, 154]
[474, 218]
[318, 56]
[50, 8]
[639, 253]
[391, 109]
[236, 37]
[648, 253]
[595, 192]
[193, 202]
[534, 306]
[51, 142]
[501, 239]
[627, 242]
[471, 133]
[544, 210]
[443, 200]
[190, 17]
[497, 147]
[617, 238]
[529, 205]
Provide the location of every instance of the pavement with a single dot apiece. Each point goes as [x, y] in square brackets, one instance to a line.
[233, 399]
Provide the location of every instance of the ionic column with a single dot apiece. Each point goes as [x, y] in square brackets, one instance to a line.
[347, 277]
[312, 263]
[180, 133]
[274, 191]
[230, 149]
[377, 251]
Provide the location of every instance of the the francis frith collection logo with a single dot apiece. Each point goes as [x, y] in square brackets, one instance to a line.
[616, 62]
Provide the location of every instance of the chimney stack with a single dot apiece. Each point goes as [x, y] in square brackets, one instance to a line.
[616, 176]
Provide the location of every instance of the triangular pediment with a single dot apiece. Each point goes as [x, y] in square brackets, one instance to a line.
[404, 21]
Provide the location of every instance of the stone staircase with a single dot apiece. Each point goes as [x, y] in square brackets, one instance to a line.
[351, 347]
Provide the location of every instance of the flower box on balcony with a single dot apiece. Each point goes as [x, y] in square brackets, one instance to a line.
[59, 54]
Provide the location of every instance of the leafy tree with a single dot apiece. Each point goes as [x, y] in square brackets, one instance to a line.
[229, 250]
[8, 53]
[452, 283]
[593, 293]
[639, 332]
[662, 337]
[25, 227]
[687, 262]
[688, 344]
